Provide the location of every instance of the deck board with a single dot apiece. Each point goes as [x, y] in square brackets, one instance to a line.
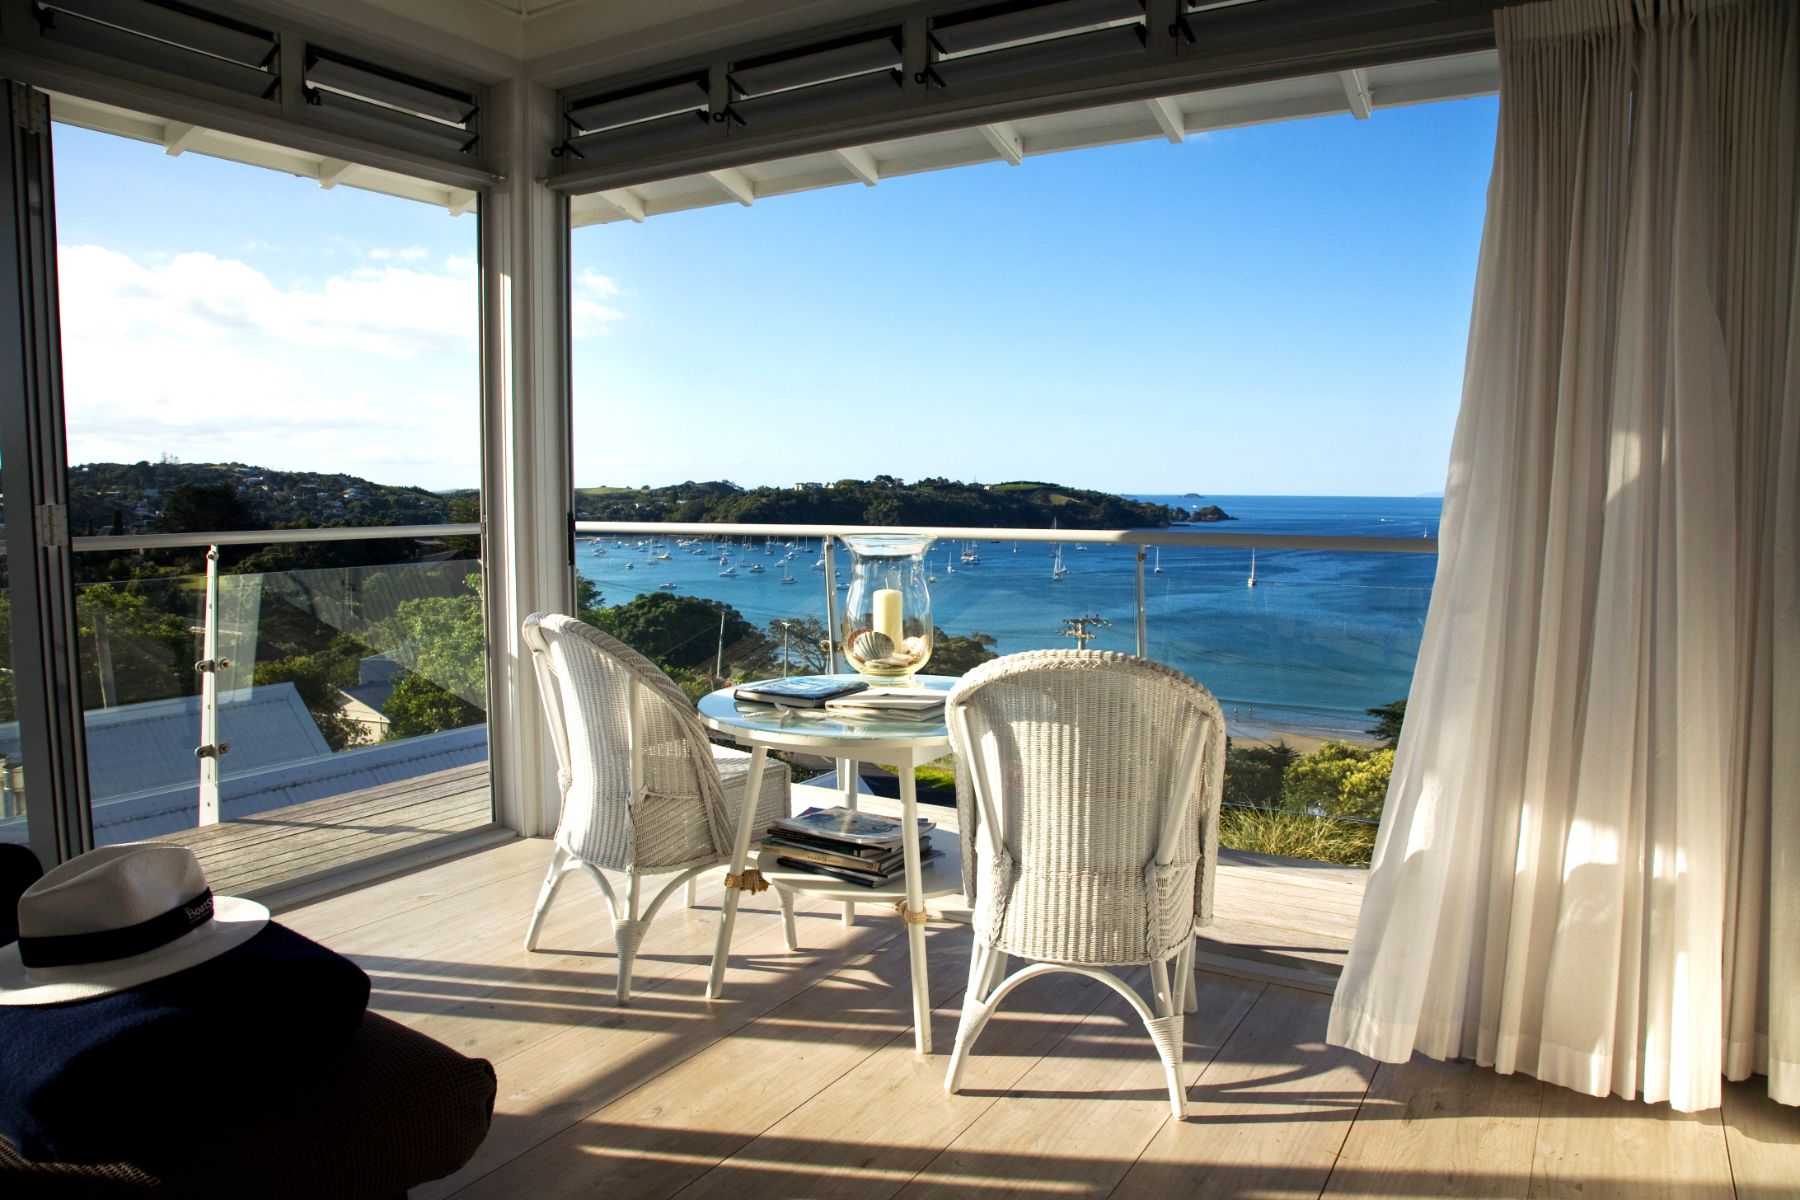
[801, 1080]
[259, 854]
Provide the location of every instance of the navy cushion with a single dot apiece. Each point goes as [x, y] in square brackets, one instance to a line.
[156, 1070]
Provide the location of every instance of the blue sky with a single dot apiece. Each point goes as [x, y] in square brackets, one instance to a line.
[1276, 309]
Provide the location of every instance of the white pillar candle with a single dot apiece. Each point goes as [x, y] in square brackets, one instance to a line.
[887, 616]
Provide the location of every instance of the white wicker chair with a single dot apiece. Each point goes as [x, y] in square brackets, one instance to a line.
[1087, 785]
[643, 791]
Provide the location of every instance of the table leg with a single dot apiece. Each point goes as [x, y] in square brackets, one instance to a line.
[735, 882]
[849, 773]
[914, 912]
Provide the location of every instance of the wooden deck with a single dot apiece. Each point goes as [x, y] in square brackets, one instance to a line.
[266, 854]
[801, 1081]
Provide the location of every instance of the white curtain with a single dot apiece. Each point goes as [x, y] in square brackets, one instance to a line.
[1589, 866]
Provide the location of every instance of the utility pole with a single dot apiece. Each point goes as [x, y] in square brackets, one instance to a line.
[1077, 628]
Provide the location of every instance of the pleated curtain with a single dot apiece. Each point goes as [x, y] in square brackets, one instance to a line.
[1589, 865]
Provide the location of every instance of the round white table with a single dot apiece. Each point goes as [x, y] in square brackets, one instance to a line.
[906, 744]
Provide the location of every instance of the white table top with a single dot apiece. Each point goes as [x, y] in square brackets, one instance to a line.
[817, 729]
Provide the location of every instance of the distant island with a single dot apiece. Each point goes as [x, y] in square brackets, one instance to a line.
[885, 500]
[176, 496]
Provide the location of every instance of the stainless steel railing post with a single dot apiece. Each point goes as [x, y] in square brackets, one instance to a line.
[831, 612]
[1143, 621]
[210, 747]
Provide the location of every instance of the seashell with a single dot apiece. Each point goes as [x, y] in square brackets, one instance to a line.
[868, 646]
[916, 648]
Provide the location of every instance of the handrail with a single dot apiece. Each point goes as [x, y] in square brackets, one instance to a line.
[961, 533]
[266, 537]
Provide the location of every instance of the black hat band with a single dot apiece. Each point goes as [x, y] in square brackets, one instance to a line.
[106, 945]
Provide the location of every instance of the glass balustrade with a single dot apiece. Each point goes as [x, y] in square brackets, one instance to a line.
[1298, 645]
[346, 715]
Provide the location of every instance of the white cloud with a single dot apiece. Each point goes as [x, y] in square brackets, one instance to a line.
[373, 371]
[588, 314]
[404, 254]
[396, 311]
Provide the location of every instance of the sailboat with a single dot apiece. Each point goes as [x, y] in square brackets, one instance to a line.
[1057, 570]
[1157, 569]
[1251, 582]
[787, 574]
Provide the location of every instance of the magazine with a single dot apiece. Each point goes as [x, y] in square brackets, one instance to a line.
[868, 859]
[848, 825]
[798, 691]
[890, 702]
[859, 878]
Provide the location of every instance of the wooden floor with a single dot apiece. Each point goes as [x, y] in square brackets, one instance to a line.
[802, 1082]
[264, 854]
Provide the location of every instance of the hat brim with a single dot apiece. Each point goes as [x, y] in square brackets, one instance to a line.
[234, 922]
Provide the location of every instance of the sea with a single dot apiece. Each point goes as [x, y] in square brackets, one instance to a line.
[1319, 639]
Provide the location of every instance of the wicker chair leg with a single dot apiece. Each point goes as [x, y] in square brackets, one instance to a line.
[974, 1012]
[627, 937]
[1168, 1030]
[693, 891]
[1190, 998]
[552, 880]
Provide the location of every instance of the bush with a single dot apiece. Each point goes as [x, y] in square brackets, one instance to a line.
[1254, 774]
[1339, 780]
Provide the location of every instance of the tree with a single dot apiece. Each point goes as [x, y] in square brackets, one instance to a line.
[318, 678]
[959, 655]
[438, 639]
[151, 650]
[1339, 780]
[678, 632]
[203, 508]
[419, 706]
[1254, 775]
[587, 595]
[1388, 720]
[806, 646]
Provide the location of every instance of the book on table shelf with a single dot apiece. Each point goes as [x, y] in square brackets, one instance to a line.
[798, 691]
[857, 847]
[848, 825]
[859, 878]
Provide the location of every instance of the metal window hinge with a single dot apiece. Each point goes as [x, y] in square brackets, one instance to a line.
[212, 751]
[52, 525]
[31, 109]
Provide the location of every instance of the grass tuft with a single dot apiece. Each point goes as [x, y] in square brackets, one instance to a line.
[1297, 835]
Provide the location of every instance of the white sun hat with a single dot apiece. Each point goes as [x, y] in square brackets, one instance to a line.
[117, 917]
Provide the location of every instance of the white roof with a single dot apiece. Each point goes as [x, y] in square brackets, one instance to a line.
[1358, 93]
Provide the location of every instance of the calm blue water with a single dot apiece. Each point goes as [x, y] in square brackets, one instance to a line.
[1318, 640]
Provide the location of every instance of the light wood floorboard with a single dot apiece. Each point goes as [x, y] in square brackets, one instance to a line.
[802, 1082]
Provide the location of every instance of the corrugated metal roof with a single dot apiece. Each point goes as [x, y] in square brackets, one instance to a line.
[148, 747]
[151, 814]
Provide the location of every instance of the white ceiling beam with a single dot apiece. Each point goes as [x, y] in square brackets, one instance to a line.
[1168, 118]
[178, 136]
[460, 201]
[860, 163]
[1356, 91]
[333, 171]
[625, 202]
[1005, 139]
[734, 183]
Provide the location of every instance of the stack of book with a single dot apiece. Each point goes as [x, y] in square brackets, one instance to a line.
[855, 847]
[891, 703]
